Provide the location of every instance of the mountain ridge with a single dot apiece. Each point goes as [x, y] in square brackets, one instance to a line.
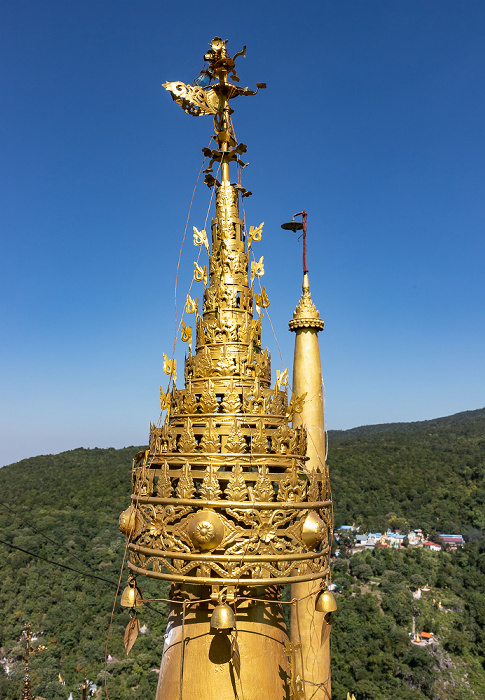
[428, 473]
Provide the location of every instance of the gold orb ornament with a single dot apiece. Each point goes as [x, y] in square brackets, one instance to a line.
[128, 522]
[312, 530]
[206, 530]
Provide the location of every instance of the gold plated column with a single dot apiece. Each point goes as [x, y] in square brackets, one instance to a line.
[309, 627]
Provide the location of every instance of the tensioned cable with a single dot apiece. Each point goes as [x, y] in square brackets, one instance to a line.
[177, 328]
[182, 246]
[55, 563]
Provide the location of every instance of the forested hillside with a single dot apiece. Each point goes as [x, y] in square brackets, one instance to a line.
[432, 473]
[429, 474]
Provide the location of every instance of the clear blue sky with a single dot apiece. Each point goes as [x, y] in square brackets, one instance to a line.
[373, 121]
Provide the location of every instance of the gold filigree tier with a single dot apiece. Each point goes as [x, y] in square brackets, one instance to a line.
[226, 465]
[306, 314]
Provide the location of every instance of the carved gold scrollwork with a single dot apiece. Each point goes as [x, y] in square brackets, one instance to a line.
[210, 439]
[259, 442]
[314, 488]
[261, 300]
[164, 484]
[187, 442]
[263, 489]
[170, 367]
[291, 488]
[295, 405]
[231, 402]
[236, 441]
[210, 485]
[236, 489]
[281, 378]
[190, 402]
[164, 401]
[185, 487]
[208, 400]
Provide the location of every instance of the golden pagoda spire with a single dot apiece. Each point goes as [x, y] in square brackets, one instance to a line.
[29, 651]
[311, 621]
[223, 506]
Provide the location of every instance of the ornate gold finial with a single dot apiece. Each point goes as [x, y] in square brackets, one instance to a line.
[306, 314]
[202, 98]
[29, 651]
[223, 499]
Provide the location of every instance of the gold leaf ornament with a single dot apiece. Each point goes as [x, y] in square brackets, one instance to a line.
[192, 305]
[200, 237]
[262, 299]
[186, 335]
[165, 401]
[235, 656]
[170, 367]
[281, 378]
[185, 486]
[236, 487]
[131, 633]
[257, 269]
[200, 273]
[255, 234]
[295, 405]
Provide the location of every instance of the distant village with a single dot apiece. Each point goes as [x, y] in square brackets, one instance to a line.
[356, 542]
[351, 541]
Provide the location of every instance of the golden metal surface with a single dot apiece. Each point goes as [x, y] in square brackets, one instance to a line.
[131, 596]
[223, 618]
[206, 530]
[205, 669]
[309, 626]
[223, 501]
[326, 602]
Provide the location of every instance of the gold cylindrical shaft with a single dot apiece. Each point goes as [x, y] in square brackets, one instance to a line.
[313, 664]
[201, 659]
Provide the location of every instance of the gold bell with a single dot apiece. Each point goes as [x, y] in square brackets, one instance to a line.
[223, 617]
[131, 596]
[325, 602]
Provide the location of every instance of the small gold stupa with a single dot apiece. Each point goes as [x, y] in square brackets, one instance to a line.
[231, 501]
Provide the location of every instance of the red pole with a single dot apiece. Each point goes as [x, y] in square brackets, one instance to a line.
[304, 215]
